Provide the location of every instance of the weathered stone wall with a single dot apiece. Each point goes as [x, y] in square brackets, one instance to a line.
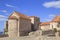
[54, 25]
[36, 33]
[50, 27]
[12, 28]
[48, 33]
[45, 27]
[24, 27]
[35, 22]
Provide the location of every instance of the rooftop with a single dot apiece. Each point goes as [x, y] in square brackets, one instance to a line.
[44, 23]
[19, 14]
[56, 18]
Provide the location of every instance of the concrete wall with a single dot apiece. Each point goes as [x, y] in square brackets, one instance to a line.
[12, 28]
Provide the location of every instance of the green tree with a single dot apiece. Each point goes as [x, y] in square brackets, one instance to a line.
[55, 29]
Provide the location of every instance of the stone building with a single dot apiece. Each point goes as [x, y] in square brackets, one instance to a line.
[20, 24]
[44, 25]
[54, 23]
[34, 23]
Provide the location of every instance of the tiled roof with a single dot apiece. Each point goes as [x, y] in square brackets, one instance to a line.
[12, 17]
[20, 15]
[56, 19]
[44, 23]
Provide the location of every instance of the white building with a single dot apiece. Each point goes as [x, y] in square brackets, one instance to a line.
[54, 23]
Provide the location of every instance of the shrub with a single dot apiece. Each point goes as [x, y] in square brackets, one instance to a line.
[55, 29]
[58, 30]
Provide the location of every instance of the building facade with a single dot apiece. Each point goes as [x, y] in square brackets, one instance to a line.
[20, 24]
[34, 23]
[54, 23]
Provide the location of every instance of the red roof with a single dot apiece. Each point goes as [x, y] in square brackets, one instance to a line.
[56, 19]
[44, 23]
[20, 15]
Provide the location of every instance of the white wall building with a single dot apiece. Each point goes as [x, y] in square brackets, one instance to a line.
[54, 23]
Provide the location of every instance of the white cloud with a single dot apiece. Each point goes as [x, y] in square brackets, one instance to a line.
[47, 19]
[54, 4]
[8, 5]
[4, 11]
[50, 17]
[3, 18]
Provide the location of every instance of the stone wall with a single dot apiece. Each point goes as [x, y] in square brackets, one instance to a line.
[48, 33]
[54, 25]
[35, 23]
[12, 28]
[24, 26]
[50, 27]
[45, 27]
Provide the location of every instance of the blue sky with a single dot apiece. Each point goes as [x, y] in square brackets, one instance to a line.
[45, 9]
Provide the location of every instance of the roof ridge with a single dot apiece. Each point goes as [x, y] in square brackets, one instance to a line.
[56, 18]
[20, 15]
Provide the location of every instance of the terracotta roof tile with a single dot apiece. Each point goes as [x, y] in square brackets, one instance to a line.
[20, 15]
[56, 19]
[44, 23]
[12, 17]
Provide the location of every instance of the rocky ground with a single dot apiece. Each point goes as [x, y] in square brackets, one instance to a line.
[30, 38]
